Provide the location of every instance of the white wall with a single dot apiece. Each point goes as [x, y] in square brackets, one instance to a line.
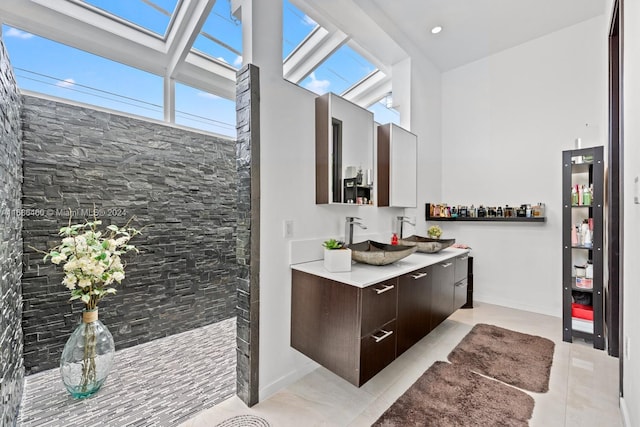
[506, 120]
[424, 100]
[631, 273]
[288, 193]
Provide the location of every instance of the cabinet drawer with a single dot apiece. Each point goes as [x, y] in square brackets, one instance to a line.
[377, 350]
[378, 305]
[460, 294]
[462, 268]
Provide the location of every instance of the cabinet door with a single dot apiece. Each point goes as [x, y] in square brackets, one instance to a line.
[460, 294]
[462, 268]
[378, 305]
[414, 308]
[403, 173]
[377, 350]
[442, 292]
[397, 166]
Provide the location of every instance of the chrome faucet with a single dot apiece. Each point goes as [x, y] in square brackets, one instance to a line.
[401, 220]
[348, 229]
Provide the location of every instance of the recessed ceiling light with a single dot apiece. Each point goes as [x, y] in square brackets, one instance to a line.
[436, 29]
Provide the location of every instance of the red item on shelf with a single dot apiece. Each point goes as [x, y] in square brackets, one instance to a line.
[581, 311]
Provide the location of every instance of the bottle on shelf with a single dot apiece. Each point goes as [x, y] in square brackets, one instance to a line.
[574, 235]
[394, 239]
[574, 195]
[580, 190]
[586, 195]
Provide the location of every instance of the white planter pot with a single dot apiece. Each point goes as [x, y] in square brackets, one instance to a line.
[337, 260]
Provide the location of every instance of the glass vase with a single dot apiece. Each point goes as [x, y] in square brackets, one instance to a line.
[87, 356]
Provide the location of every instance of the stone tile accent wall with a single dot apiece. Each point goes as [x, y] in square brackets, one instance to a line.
[11, 365]
[248, 249]
[181, 185]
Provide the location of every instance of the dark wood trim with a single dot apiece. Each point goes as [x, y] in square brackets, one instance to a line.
[615, 300]
[336, 163]
[323, 124]
[384, 163]
[613, 190]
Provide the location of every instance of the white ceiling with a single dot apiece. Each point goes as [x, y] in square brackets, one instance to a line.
[472, 28]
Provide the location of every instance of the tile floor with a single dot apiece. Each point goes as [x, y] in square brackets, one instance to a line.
[161, 383]
[582, 389]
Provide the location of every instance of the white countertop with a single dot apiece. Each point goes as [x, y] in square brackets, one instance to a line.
[363, 275]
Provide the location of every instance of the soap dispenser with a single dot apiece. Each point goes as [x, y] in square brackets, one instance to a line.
[394, 239]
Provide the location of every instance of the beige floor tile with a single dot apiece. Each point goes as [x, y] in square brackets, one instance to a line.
[582, 386]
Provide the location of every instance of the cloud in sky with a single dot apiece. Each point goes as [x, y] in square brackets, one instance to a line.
[238, 61]
[221, 59]
[318, 86]
[308, 21]
[66, 83]
[14, 32]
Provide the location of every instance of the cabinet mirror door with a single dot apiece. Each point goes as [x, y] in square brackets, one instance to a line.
[344, 151]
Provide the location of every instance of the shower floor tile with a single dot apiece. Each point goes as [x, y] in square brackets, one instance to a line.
[159, 383]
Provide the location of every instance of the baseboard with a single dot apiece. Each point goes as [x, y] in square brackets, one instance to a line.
[516, 305]
[285, 380]
[626, 422]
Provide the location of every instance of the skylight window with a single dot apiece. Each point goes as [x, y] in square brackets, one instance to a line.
[203, 110]
[221, 35]
[154, 15]
[338, 72]
[296, 26]
[383, 113]
[48, 67]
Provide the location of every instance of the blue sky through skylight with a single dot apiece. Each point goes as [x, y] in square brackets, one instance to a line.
[338, 72]
[296, 26]
[227, 30]
[42, 65]
[153, 15]
[48, 67]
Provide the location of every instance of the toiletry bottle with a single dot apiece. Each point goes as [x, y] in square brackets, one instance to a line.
[574, 195]
[589, 272]
[586, 196]
[580, 195]
[574, 236]
[394, 239]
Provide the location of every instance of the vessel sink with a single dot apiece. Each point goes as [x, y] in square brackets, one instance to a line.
[426, 244]
[376, 253]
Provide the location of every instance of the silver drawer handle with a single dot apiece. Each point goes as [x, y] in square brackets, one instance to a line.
[384, 335]
[384, 289]
[447, 264]
[418, 275]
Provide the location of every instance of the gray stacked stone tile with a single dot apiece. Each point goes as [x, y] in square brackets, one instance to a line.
[181, 185]
[11, 343]
[248, 247]
[162, 383]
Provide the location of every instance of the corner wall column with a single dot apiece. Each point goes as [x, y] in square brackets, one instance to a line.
[248, 226]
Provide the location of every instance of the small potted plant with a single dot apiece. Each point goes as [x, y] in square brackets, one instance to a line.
[337, 257]
[434, 232]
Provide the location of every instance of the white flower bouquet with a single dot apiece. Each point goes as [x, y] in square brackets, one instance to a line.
[91, 259]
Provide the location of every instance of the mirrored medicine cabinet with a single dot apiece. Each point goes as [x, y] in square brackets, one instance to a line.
[344, 152]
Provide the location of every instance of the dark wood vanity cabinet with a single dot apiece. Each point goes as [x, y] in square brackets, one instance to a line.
[414, 307]
[461, 275]
[355, 332]
[442, 291]
[349, 330]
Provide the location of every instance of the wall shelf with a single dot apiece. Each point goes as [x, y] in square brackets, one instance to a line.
[488, 219]
[482, 219]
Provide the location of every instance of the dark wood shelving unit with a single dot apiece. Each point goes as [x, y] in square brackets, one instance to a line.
[590, 164]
